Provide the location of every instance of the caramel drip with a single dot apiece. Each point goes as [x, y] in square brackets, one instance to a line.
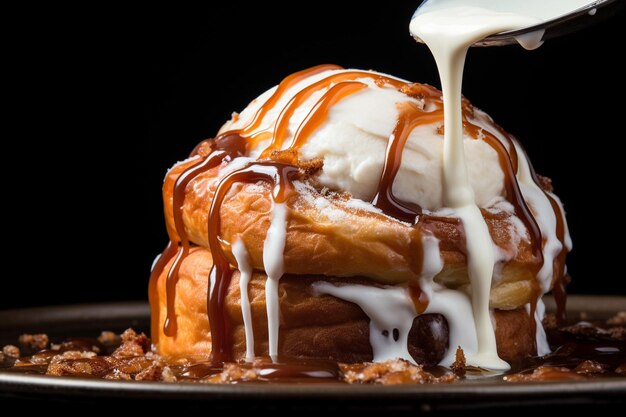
[270, 103]
[280, 176]
[419, 297]
[559, 280]
[225, 147]
[284, 85]
[183, 244]
[282, 124]
[512, 149]
[318, 114]
[511, 187]
[409, 117]
[475, 131]
[168, 253]
[516, 198]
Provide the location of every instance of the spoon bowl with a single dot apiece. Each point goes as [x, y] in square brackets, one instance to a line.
[580, 18]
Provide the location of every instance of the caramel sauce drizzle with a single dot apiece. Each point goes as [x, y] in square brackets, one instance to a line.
[280, 176]
[236, 143]
[224, 148]
[515, 197]
[284, 85]
[512, 189]
[409, 117]
[559, 280]
[319, 112]
[419, 297]
[282, 123]
[168, 253]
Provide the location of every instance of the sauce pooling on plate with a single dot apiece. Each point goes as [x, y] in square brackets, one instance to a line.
[586, 350]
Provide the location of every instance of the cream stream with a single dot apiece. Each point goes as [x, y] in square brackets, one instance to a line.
[243, 265]
[449, 28]
[273, 263]
[449, 35]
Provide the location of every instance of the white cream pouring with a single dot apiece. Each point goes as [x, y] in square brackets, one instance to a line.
[449, 28]
[391, 313]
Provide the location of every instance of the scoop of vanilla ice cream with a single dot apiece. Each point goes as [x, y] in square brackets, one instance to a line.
[353, 139]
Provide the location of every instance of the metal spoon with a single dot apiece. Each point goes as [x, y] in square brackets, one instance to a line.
[568, 23]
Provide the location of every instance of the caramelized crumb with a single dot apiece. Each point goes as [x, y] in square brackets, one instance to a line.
[310, 168]
[392, 372]
[133, 344]
[617, 320]
[204, 148]
[545, 183]
[11, 351]
[288, 156]
[151, 373]
[70, 368]
[416, 91]
[72, 354]
[458, 367]
[545, 373]
[167, 375]
[108, 338]
[117, 375]
[131, 365]
[232, 373]
[589, 367]
[42, 358]
[380, 82]
[617, 333]
[35, 341]
[133, 360]
[595, 331]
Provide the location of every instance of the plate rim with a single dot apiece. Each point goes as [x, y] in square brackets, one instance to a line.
[42, 384]
[473, 391]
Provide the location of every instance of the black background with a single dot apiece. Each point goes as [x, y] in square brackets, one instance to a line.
[99, 107]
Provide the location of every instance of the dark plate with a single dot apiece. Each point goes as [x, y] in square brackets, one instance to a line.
[89, 320]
